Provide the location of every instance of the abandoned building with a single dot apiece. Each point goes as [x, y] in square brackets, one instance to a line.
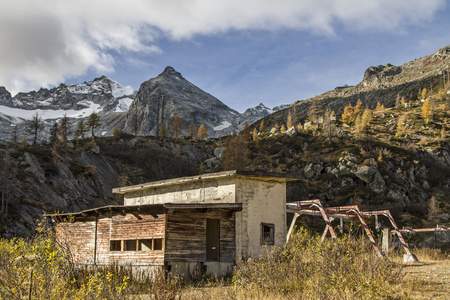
[190, 226]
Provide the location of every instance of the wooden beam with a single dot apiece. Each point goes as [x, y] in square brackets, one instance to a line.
[135, 214]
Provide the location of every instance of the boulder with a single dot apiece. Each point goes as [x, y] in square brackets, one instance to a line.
[291, 132]
[372, 177]
[313, 170]
[218, 152]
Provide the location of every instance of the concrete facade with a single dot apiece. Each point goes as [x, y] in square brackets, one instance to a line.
[263, 198]
[189, 226]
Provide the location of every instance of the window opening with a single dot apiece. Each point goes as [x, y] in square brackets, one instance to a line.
[267, 234]
[115, 246]
[137, 245]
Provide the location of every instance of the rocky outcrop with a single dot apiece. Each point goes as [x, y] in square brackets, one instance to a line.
[160, 99]
[372, 177]
[383, 83]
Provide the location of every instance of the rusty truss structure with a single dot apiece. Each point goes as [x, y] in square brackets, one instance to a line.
[329, 214]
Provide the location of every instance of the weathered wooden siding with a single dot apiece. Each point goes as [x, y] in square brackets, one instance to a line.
[186, 235]
[80, 237]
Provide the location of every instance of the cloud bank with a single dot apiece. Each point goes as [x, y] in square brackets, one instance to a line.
[44, 42]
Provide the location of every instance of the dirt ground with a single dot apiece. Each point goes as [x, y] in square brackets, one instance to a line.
[428, 280]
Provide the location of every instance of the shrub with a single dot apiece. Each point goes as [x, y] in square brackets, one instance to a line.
[335, 269]
[37, 268]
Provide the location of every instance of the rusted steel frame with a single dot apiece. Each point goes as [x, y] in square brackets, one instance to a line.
[353, 211]
[328, 228]
[396, 230]
[438, 228]
[313, 207]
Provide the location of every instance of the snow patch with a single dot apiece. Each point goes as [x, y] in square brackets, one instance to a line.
[119, 91]
[25, 114]
[225, 124]
[123, 105]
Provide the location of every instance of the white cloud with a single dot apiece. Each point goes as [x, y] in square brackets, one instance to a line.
[44, 42]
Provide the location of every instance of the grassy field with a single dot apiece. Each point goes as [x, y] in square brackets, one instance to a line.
[346, 268]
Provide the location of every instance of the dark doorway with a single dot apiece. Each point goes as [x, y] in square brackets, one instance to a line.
[212, 239]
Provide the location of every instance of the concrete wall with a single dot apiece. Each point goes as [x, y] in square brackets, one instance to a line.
[205, 191]
[263, 202]
[193, 270]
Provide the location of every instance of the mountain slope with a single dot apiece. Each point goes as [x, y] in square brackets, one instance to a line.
[383, 83]
[160, 99]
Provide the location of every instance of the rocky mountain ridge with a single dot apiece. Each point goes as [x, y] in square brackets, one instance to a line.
[158, 100]
[383, 83]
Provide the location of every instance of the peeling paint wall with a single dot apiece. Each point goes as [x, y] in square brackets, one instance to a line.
[263, 202]
[205, 191]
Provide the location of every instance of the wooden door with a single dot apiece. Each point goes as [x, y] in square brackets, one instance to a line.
[212, 239]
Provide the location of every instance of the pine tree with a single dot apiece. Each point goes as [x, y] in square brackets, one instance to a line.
[314, 111]
[262, 128]
[64, 131]
[255, 136]
[401, 126]
[34, 126]
[93, 122]
[80, 130]
[246, 132]
[427, 112]
[117, 132]
[290, 118]
[235, 153]
[358, 107]
[192, 129]
[54, 134]
[329, 124]
[424, 93]
[358, 126]
[163, 129]
[347, 115]
[378, 108]
[366, 119]
[177, 126]
[202, 133]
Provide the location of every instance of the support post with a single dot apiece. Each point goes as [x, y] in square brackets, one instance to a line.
[385, 239]
[291, 228]
[95, 240]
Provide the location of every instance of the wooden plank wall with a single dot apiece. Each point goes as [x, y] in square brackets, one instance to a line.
[186, 235]
[78, 240]
[80, 237]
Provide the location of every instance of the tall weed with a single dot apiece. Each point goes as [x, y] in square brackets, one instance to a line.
[345, 268]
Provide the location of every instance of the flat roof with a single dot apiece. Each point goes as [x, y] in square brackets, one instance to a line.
[265, 176]
[110, 210]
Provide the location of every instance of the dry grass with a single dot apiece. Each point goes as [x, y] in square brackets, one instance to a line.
[304, 269]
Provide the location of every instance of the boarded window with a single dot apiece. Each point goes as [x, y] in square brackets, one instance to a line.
[267, 234]
[158, 244]
[115, 246]
[137, 245]
[145, 245]
[130, 245]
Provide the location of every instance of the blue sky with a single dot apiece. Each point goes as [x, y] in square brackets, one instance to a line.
[242, 52]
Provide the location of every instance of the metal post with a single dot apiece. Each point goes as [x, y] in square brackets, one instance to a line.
[385, 240]
[291, 228]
